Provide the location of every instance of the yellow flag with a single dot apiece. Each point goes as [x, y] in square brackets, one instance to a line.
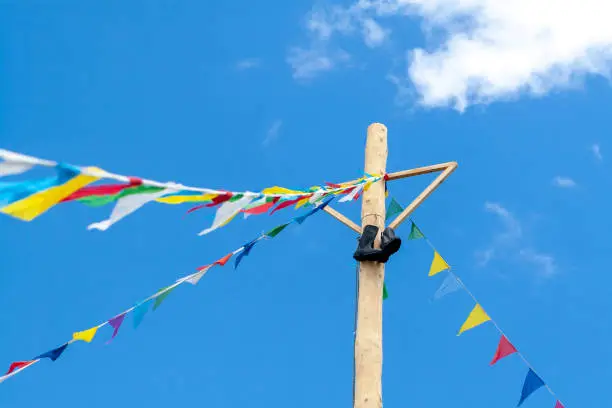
[477, 317]
[437, 265]
[31, 207]
[86, 335]
[302, 202]
[180, 199]
[280, 190]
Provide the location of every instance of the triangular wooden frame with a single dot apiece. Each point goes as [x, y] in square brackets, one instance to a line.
[445, 168]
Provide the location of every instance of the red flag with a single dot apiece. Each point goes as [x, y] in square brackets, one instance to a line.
[196, 208]
[333, 185]
[262, 208]
[559, 405]
[108, 189]
[18, 365]
[504, 349]
[224, 260]
[221, 198]
[285, 204]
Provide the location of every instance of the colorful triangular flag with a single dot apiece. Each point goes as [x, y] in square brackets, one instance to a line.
[53, 354]
[438, 264]
[18, 365]
[477, 317]
[385, 293]
[531, 384]
[276, 230]
[415, 232]
[247, 250]
[85, 335]
[139, 312]
[115, 323]
[504, 349]
[449, 285]
[163, 294]
[559, 405]
[393, 209]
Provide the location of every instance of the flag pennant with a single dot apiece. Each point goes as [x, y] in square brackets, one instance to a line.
[415, 232]
[18, 365]
[13, 192]
[181, 199]
[303, 201]
[220, 199]
[449, 285]
[226, 212]
[559, 405]
[263, 208]
[107, 189]
[393, 209]
[285, 204]
[127, 205]
[162, 295]
[15, 163]
[32, 206]
[353, 195]
[477, 317]
[438, 264]
[302, 218]
[139, 312]
[53, 354]
[245, 251]
[385, 293]
[85, 335]
[195, 278]
[280, 190]
[532, 383]
[276, 230]
[504, 349]
[116, 323]
[223, 261]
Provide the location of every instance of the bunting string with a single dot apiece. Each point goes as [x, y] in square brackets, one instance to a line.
[478, 315]
[26, 200]
[140, 309]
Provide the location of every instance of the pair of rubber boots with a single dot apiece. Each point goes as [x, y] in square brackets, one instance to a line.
[389, 244]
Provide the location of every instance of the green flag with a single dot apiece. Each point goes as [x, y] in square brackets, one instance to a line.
[415, 232]
[275, 231]
[161, 297]
[385, 293]
[394, 208]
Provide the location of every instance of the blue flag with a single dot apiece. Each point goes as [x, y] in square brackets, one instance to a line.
[450, 285]
[139, 312]
[532, 383]
[301, 218]
[53, 354]
[247, 249]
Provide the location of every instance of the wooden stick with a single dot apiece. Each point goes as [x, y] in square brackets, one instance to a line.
[343, 219]
[420, 170]
[368, 334]
[421, 197]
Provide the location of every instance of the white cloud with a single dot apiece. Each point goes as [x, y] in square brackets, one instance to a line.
[486, 50]
[509, 244]
[564, 182]
[596, 151]
[307, 63]
[373, 34]
[248, 63]
[273, 132]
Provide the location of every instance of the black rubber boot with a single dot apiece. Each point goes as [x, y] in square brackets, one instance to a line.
[365, 248]
[390, 243]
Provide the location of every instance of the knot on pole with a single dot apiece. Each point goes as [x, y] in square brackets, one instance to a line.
[389, 245]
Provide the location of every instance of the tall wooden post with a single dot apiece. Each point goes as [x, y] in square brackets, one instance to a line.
[368, 335]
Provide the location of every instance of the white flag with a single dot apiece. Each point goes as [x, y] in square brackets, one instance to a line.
[226, 212]
[15, 163]
[127, 205]
[351, 196]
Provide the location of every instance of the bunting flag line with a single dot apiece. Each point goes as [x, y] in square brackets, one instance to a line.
[478, 316]
[140, 309]
[26, 200]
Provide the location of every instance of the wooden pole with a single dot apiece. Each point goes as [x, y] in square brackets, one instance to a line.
[368, 333]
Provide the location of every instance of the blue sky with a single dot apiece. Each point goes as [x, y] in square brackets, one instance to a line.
[245, 95]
